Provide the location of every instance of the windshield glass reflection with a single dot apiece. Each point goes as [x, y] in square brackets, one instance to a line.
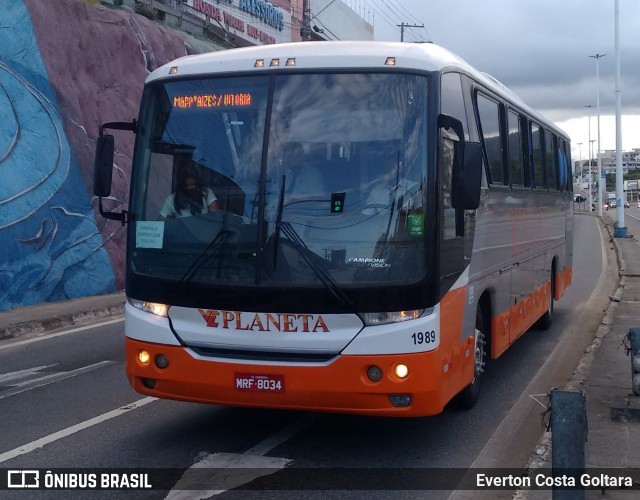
[343, 171]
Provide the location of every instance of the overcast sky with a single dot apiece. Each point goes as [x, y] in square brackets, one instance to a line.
[540, 49]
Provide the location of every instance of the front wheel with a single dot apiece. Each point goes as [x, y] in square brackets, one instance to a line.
[469, 396]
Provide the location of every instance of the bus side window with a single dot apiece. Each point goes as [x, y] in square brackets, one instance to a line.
[489, 116]
[536, 156]
[452, 100]
[452, 104]
[516, 164]
[563, 166]
[550, 161]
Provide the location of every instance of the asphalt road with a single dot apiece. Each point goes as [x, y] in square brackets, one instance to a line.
[62, 399]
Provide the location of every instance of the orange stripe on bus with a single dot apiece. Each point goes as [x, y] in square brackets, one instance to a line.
[563, 281]
[509, 325]
[456, 346]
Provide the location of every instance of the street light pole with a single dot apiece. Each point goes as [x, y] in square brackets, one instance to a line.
[591, 156]
[581, 165]
[597, 58]
[589, 106]
[620, 230]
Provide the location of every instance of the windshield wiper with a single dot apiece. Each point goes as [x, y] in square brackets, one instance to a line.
[299, 245]
[276, 237]
[303, 250]
[205, 257]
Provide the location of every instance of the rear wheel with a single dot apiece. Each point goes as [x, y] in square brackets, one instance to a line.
[470, 395]
[545, 321]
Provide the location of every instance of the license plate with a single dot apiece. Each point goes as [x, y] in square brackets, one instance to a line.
[259, 382]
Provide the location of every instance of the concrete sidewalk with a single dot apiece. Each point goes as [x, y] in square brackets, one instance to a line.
[50, 316]
[604, 375]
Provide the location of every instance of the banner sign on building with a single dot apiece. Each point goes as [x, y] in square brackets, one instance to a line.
[257, 21]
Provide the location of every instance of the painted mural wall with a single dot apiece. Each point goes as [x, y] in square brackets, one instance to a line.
[66, 66]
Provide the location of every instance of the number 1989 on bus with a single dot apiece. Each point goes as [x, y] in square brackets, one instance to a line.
[424, 337]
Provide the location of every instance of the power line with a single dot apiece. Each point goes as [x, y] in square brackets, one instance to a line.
[403, 26]
[412, 18]
[389, 14]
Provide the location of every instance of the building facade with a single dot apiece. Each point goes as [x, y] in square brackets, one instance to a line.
[630, 160]
[240, 23]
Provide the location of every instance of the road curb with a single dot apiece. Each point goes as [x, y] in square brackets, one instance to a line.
[541, 454]
[48, 317]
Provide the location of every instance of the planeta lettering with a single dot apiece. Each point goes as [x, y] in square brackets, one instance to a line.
[264, 322]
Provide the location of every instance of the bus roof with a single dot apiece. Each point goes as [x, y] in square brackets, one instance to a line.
[337, 55]
[314, 55]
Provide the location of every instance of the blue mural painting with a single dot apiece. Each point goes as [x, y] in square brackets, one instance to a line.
[50, 247]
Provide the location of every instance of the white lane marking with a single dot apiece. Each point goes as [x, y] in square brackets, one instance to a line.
[247, 466]
[59, 334]
[50, 378]
[283, 435]
[51, 438]
[632, 216]
[7, 378]
[244, 469]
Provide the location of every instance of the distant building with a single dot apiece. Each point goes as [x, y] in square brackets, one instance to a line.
[630, 160]
[240, 23]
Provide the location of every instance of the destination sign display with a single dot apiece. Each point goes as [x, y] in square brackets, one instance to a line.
[227, 100]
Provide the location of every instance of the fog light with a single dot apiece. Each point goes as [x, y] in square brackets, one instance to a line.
[144, 357]
[401, 370]
[374, 373]
[400, 400]
[162, 361]
[149, 383]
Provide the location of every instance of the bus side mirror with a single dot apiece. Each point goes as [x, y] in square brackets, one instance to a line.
[467, 178]
[103, 166]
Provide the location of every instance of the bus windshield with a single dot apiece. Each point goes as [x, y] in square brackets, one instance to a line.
[282, 181]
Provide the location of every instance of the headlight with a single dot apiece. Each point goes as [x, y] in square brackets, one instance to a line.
[384, 318]
[150, 307]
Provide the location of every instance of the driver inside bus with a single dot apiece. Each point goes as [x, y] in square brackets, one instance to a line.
[191, 198]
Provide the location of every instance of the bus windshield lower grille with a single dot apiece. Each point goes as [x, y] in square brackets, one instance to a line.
[292, 357]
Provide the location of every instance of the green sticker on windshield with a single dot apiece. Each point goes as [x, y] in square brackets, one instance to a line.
[415, 225]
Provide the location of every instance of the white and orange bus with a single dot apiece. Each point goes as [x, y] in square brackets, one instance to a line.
[366, 224]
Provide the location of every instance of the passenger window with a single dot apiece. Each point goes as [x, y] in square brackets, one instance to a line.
[516, 165]
[550, 161]
[452, 100]
[535, 152]
[563, 166]
[489, 115]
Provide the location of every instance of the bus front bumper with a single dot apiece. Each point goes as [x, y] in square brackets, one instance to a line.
[341, 385]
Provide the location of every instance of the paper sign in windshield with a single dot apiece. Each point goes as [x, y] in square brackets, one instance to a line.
[149, 234]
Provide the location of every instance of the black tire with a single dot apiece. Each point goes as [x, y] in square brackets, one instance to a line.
[469, 396]
[546, 320]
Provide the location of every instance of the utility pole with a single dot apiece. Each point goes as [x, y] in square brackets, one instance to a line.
[305, 31]
[402, 26]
